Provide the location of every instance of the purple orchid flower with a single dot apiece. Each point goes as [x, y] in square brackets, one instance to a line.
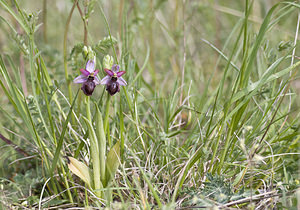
[113, 80]
[88, 78]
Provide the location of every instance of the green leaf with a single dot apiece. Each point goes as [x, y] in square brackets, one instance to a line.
[79, 169]
[95, 158]
[112, 161]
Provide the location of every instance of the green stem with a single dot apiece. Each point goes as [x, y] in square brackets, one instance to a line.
[85, 23]
[108, 29]
[101, 143]
[45, 21]
[94, 149]
[67, 183]
[88, 108]
[107, 118]
[32, 70]
[65, 56]
[121, 129]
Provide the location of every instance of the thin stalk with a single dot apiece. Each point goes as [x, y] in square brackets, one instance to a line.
[65, 55]
[151, 40]
[52, 126]
[45, 21]
[14, 146]
[184, 59]
[245, 30]
[245, 71]
[88, 108]
[85, 42]
[21, 60]
[66, 182]
[61, 139]
[32, 70]
[108, 29]
[121, 8]
[94, 148]
[122, 128]
[152, 188]
[220, 90]
[85, 23]
[101, 143]
[106, 125]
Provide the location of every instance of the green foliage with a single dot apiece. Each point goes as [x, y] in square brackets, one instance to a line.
[216, 190]
[104, 45]
[76, 62]
[78, 58]
[80, 169]
[25, 186]
[112, 162]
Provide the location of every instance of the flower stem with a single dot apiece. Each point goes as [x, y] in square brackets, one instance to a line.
[85, 23]
[94, 148]
[88, 108]
[121, 129]
[101, 143]
[65, 56]
[106, 119]
[108, 29]
[45, 21]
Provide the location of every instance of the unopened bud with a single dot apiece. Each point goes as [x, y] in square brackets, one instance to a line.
[108, 61]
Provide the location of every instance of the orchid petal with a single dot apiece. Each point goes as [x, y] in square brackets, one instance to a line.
[109, 72]
[105, 80]
[90, 66]
[80, 79]
[115, 68]
[85, 72]
[96, 72]
[96, 80]
[120, 73]
[121, 81]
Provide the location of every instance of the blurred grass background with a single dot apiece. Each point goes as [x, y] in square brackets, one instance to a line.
[158, 24]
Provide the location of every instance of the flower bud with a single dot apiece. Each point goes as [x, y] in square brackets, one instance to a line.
[85, 51]
[88, 53]
[108, 61]
[91, 54]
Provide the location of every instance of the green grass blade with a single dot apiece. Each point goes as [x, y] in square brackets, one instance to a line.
[62, 136]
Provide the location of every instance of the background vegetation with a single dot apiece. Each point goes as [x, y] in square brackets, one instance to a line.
[210, 115]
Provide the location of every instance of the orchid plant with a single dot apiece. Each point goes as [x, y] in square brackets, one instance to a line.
[103, 166]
